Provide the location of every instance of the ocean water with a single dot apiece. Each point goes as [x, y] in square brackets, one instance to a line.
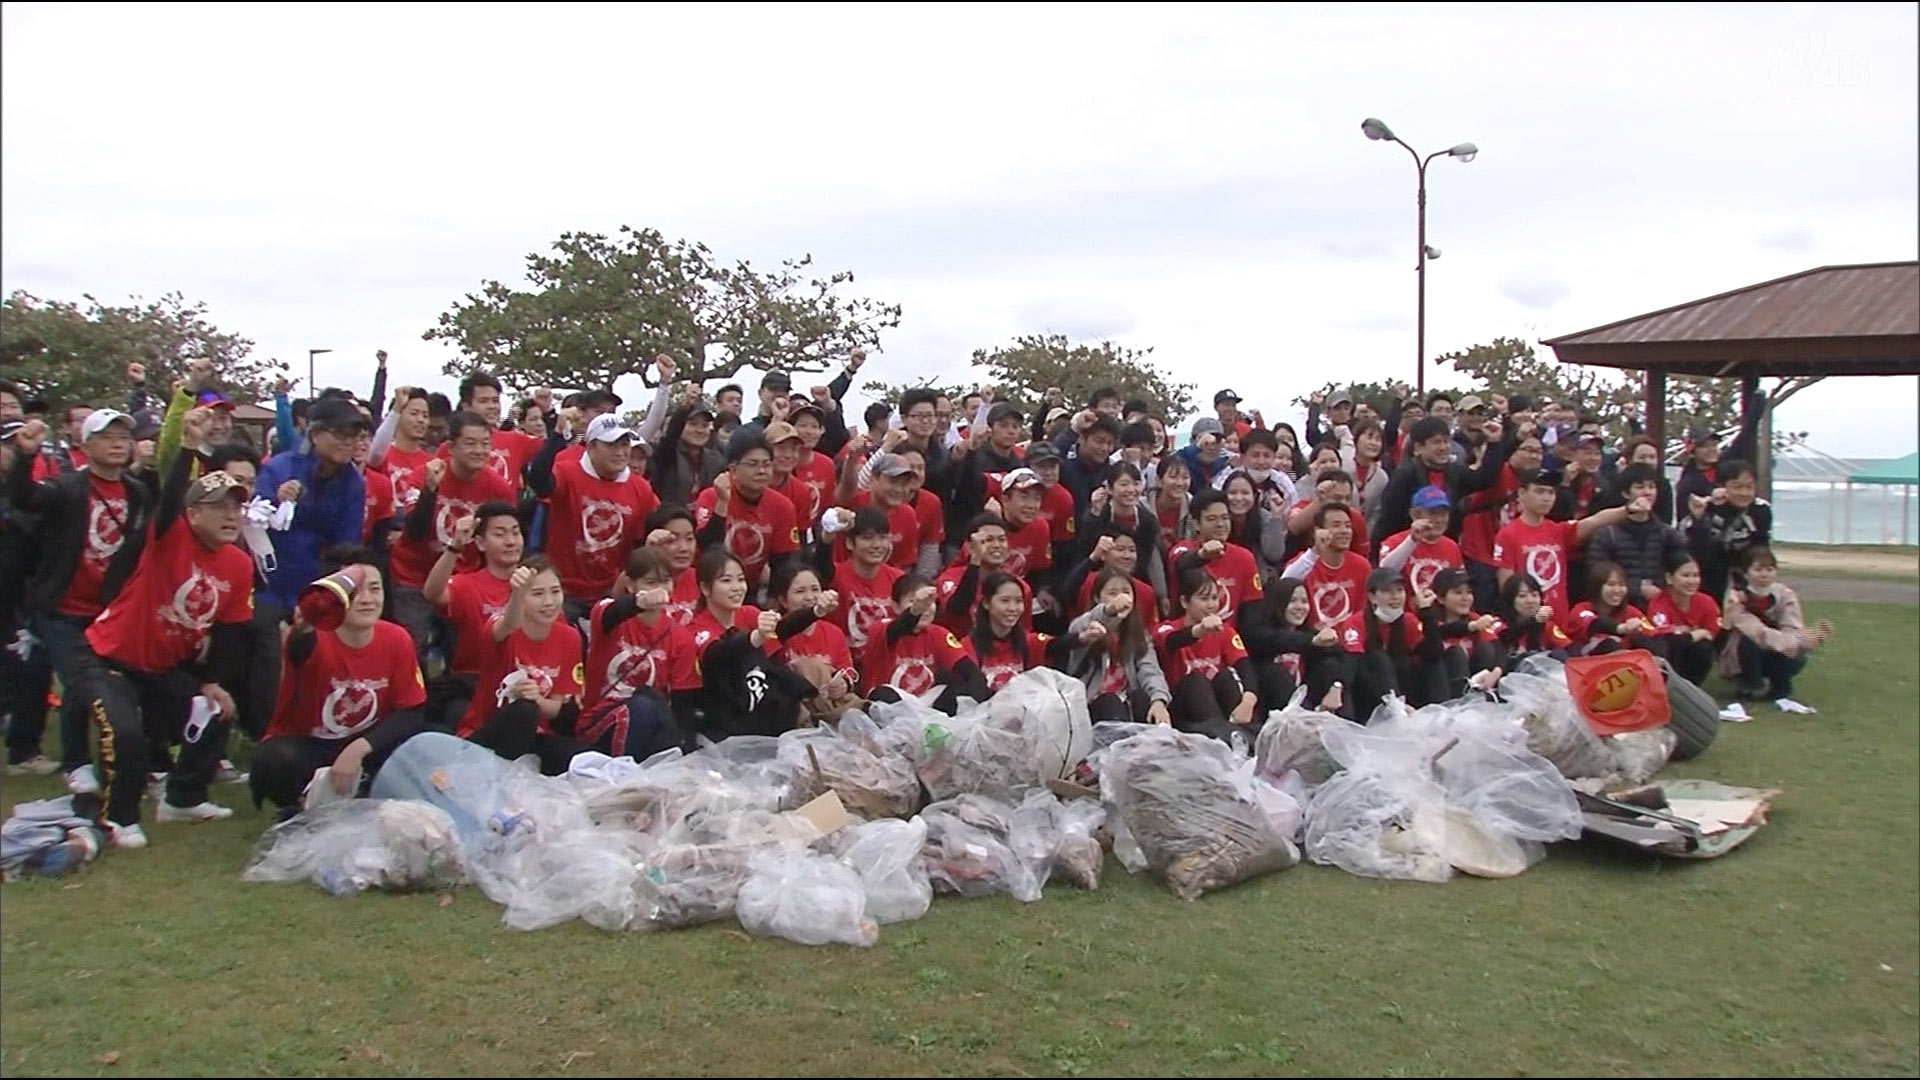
[1819, 513]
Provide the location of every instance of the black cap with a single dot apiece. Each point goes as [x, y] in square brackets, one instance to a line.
[1002, 410]
[1450, 579]
[594, 399]
[1041, 450]
[1383, 578]
[776, 380]
[1225, 396]
[336, 415]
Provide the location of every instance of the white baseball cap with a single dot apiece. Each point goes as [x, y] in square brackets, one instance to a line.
[97, 421]
[607, 428]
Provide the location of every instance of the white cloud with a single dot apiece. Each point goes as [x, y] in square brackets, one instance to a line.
[336, 176]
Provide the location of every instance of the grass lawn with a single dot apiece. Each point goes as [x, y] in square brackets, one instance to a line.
[1797, 954]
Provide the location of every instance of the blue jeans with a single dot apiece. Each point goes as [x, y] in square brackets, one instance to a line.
[63, 636]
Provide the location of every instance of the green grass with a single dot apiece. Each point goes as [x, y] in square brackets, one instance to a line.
[1797, 954]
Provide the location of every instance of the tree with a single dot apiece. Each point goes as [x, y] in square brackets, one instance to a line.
[68, 353]
[1025, 370]
[599, 308]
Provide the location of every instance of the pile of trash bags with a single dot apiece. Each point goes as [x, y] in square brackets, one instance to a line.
[823, 835]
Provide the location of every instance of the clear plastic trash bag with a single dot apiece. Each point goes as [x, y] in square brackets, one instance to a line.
[1375, 825]
[872, 779]
[805, 898]
[1555, 728]
[1187, 804]
[683, 885]
[585, 874]
[1290, 742]
[347, 847]
[968, 850]
[886, 855]
[981, 752]
[1052, 707]
[1056, 838]
[1638, 756]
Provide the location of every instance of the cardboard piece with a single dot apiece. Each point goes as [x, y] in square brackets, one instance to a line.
[826, 813]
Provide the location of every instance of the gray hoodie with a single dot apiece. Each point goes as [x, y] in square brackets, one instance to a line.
[1089, 663]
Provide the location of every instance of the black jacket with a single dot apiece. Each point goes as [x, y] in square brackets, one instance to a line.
[1642, 549]
[1396, 503]
[63, 507]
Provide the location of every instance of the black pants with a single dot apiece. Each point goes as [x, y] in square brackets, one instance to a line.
[261, 690]
[415, 615]
[514, 732]
[639, 727]
[1112, 707]
[24, 685]
[282, 767]
[447, 700]
[136, 715]
[1760, 666]
[1202, 705]
[1692, 659]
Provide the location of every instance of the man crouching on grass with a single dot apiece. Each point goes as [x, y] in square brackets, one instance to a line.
[348, 698]
[177, 631]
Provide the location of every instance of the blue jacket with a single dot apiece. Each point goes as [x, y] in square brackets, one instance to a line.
[333, 512]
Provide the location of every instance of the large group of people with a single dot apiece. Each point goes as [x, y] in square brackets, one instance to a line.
[540, 577]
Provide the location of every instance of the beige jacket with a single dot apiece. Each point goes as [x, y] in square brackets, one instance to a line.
[1786, 639]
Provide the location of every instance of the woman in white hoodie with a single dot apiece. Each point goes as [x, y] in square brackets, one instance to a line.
[1117, 661]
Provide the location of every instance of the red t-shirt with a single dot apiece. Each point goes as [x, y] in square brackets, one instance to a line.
[686, 599]
[1485, 513]
[1235, 572]
[1701, 613]
[810, 488]
[866, 604]
[903, 528]
[554, 663]
[106, 531]
[508, 461]
[342, 691]
[1427, 560]
[1209, 655]
[825, 642]
[474, 600]
[915, 664]
[379, 500]
[176, 595]
[1339, 596]
[592, 524]
[1057, 510]
[1029, 547]
[1580, 624]
[757, 532]
[635, 655]
[1142, 595]
[1353, 515]
[408, 471]
[932, 518]
[705, 629]
[949, 583]
[1551, 636]
[1001, 663]
[413, 560]
[1544, 552]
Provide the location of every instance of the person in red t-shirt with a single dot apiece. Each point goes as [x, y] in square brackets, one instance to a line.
[597, 509]
[1685, 620]
[806, 631]
[1525, 627]
[450, 490]
[865, 580]
[349, 697]
[914, 655]
[1030, 543]
[1484, 513]
[1336, 580]
[890, 477]
[1608, 622]
[754, 522]
[1229, 564]
[804, 477]
[529, 695]
[400, 446]
[1206, 665]
[1118, 661]
[510, 451]
[637, 660]
[190, 596]
[1000, 641]
[723, 599]
[1424, 549]
[1330, 486]
[470, 601]
[929, 512]
[1117, 550]
[1543, 549]
[959, 585]
[670, 529]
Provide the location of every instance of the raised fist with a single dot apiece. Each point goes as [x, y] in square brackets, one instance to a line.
[1212, 550]
[723, 487]
[136, 372]
[1326, 638]
[1696, 505]
[1101, 496]
[281, 385]
[652, 599]
[780, 407]
[854, 360]
[463, 531]
[1102, 549]
[666, 367]
[659, 537]
[1719, 497]
[289, 492]
[1094, 632]
[1120, 606]
[381, 356]
[199, 373]
[1641, 505]
[1544, 615]
[828, 603]
[1424, 598]
[522, 577]
[893, 440]
[1212, 624]
[30, 438]
[1481, 624]
[436, 471]
[194, 427]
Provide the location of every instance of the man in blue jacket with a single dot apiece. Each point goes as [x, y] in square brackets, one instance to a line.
[329, 495]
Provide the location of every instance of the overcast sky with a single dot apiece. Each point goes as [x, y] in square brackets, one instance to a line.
[1187, 177]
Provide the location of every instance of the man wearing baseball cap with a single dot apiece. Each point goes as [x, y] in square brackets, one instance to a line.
[162, 657]
[597, 507]
[85, 518]
[330, 493]
[1423, 549]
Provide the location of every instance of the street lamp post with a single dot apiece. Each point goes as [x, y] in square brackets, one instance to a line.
[1463, 153]
[313, 389]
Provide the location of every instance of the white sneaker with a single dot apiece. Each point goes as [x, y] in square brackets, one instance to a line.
[127, 837]
[82, 781]
[206, 811]
[37, 765]
[1735, 713]
[1788, 705]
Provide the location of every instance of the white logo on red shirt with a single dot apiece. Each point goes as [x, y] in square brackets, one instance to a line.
[500, 463]
[999, 675]
[195, 602]
[1332, 603]
[447, 514]
[1207, 666]
[106, 530]
[747, 541]
[542, 678]
[865, 614]
[1016, 562]
[633, 667]
[1543, 564]
[912, 675]
[351, 707]
[602, 523]
[1421, 572]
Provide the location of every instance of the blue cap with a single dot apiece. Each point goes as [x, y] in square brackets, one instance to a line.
[1431, 498]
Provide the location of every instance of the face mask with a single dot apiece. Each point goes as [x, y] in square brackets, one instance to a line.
[1259, 476]
[1389, 614]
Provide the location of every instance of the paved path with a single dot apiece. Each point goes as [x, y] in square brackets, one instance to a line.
[1856, 590]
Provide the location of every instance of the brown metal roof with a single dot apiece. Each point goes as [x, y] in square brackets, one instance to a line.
[1832, 320]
